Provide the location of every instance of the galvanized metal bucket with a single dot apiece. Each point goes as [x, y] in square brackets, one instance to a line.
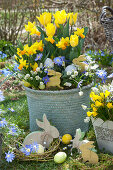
[62, 108]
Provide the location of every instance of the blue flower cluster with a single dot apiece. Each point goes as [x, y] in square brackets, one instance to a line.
[2, 56]
[28, 149]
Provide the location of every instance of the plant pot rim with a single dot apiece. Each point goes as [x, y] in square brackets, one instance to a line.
[58, 91]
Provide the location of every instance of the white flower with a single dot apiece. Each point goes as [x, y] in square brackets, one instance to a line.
[68, 84]
[81, 93]
[41, 65]
[41, 83]
[86, 73]
[70, 68]
[37, 77]
[84, 107]
[32, 72]
[88, 57]
[35, 73]
[68, 73]
[27, 76]
[86, 67]
[87, 119]
[94, 67]
[73, 76]
[38, 69]
[95, 89]
[31, 78]
[49, 63]
[75, 73]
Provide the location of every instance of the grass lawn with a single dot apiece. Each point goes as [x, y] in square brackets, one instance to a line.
[21, 117]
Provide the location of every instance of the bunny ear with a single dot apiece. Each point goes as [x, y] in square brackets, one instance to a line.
[46, 122]
[40, 124]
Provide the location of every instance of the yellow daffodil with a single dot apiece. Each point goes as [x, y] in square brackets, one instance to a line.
[89, 113]
[109, 105]
[32, 28]
[35, 66]
[80, 32]
[60, 17]
[72, 18]
[94, 114]
[22, 64]
[98, 104]
[92, 105]
[94, 109]
[102, 95]
[19, 52]
[63, 43]
[107, 93]
[74, 40]
[50, 39]
[45, 18]
[50, 29]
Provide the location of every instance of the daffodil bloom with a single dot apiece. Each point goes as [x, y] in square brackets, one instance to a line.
[94, 109]
[72, 18]
[74, 40]
[109, 105]
[19, 52]
[107, 93]
[60, 17]
[22, 64]
[89, 113]
[102, 95]
[63, 43]
[80, 32]
[50, 39]
[98, 104]
[45, 18]
[94, 114]
[50, 29]
[32, 28]
[35, 66]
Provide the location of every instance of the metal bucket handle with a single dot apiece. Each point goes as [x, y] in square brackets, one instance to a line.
[103, 14]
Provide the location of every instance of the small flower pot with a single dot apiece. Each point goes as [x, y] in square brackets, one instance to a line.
[104, 134]
[62, 108]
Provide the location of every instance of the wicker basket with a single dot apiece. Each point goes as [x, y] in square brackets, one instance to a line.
[62, 108]
[107, 23]
[46, 156]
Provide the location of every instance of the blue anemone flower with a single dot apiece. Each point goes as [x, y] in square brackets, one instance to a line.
[38, 56]
[45, 79]
[101, 74]
[27, 149]
[12, 130]
[9, 156]
[3, 123]
[58, 61]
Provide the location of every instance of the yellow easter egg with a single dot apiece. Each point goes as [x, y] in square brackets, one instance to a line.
[40, 149]
[66, 139]
[26, 84]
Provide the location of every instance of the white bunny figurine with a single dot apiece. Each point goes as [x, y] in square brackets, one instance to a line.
[76, 142]
[42, 137]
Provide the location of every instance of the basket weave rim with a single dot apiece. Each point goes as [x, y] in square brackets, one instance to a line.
[58, 91]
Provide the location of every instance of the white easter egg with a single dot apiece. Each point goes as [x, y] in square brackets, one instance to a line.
[60, 157]
[71, 68]
[49, 63]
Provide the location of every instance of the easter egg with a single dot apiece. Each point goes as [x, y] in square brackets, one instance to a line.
[42, 86]
[40, 149]
[26, 84]
[60, 157]
[66, 139]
